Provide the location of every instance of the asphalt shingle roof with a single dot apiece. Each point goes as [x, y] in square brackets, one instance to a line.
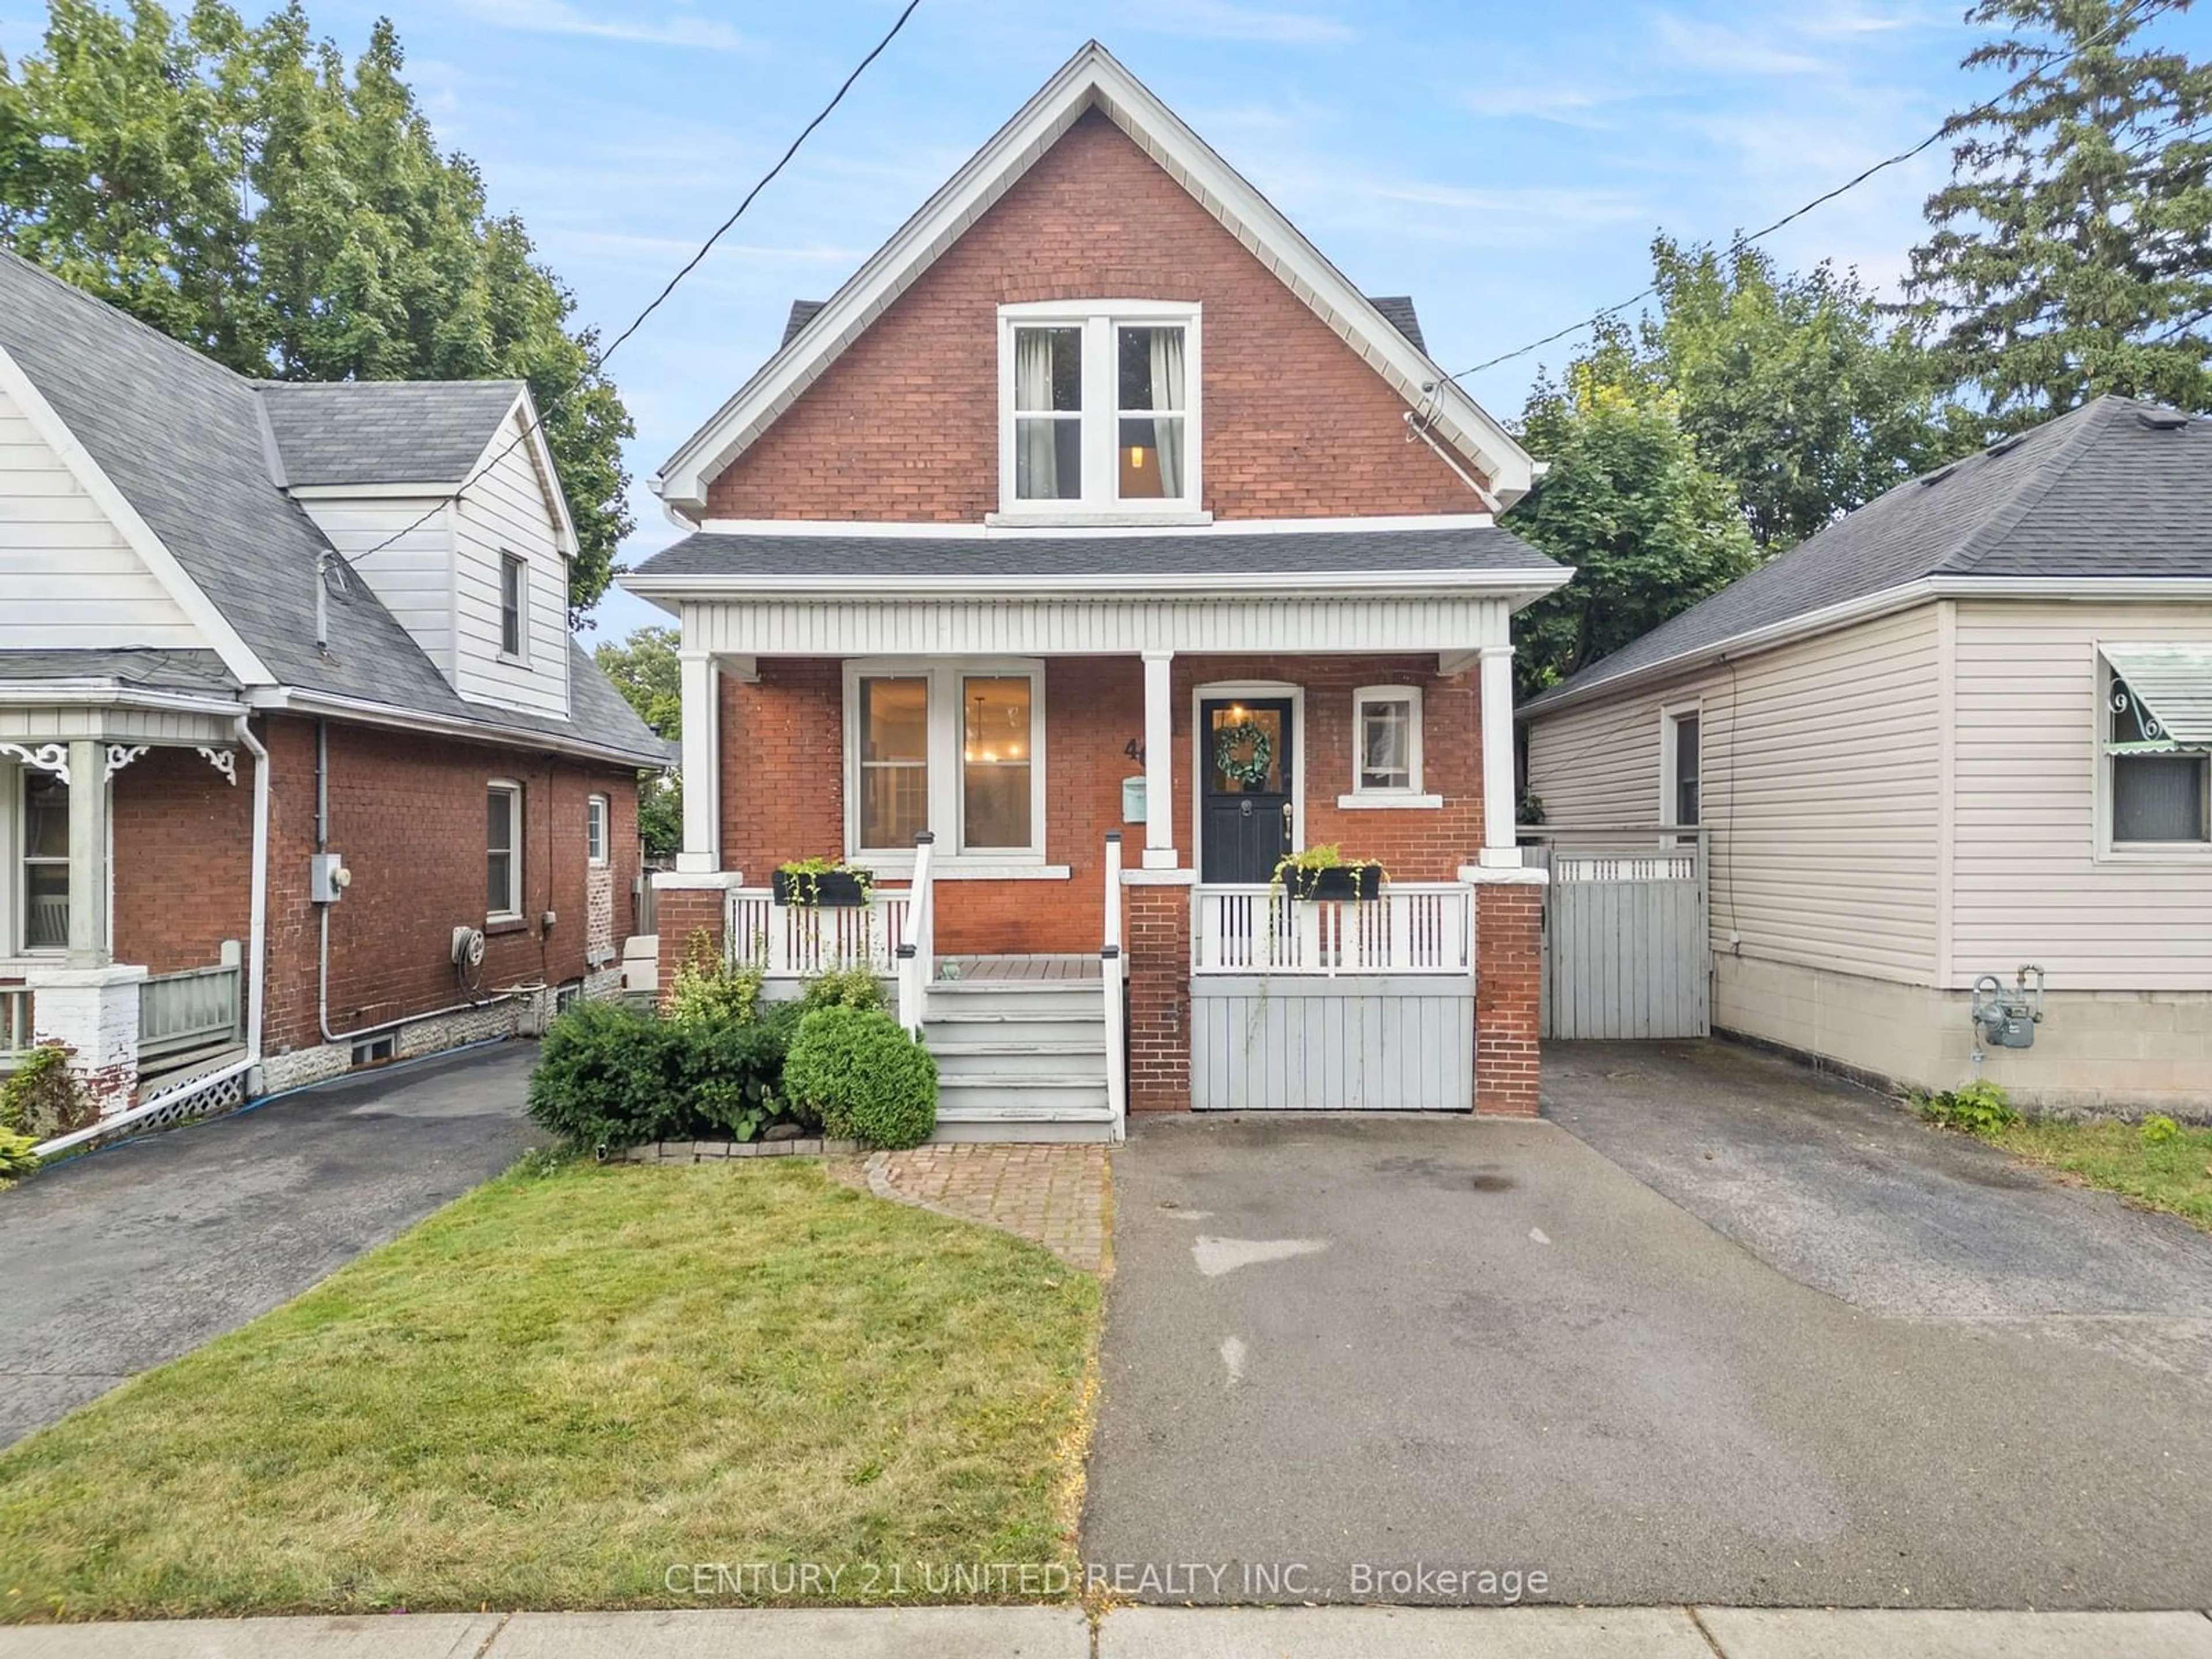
[384, 432]
[181, 436]
[1397, 310]
[1256, 556]
[171, 670]
[2116, 488]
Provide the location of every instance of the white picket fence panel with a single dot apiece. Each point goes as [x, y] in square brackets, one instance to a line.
[1412, 927]
[797, 941]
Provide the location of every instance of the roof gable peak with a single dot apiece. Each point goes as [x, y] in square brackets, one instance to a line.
[1092, 79]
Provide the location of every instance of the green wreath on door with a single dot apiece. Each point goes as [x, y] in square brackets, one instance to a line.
[1252, 769]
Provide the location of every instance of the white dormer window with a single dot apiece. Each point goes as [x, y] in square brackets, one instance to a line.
[513, 605]
[1098, 410]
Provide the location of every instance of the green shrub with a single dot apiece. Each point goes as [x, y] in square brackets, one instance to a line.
[1979, 1109]
[708, 987]
[844, 987]
[867, 1078]
[2156, 1131]
[609, 1075]
[42, 1097]
[16, 1157]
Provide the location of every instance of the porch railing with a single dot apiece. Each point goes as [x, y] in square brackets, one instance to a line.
[187, 1013]
[916, 953]
[15, 1022]
[796, 941]
[1114, 972]
[1413, 927]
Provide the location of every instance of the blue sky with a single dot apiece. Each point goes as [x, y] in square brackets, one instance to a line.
[1506, 165]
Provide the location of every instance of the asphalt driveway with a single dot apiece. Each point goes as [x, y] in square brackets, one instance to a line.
[1880, 1368]
[119, 1261]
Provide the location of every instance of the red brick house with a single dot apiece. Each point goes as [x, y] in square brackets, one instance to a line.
[298, 767]
[1097, 505]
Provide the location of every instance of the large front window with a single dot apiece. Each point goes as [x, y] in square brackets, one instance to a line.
[46, 833]
[1099, 410]
[954, 748]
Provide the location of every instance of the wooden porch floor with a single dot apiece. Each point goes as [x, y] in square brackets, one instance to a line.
[970, 969]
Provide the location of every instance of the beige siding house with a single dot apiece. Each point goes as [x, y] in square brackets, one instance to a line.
[1963, 732]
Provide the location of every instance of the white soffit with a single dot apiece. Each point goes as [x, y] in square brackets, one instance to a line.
[1094, 78]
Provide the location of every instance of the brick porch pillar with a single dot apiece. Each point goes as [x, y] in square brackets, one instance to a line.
[1508, 958]
[1159, 989]
[691, 914]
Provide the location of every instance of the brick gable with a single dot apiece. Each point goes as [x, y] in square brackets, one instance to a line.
[903, 426]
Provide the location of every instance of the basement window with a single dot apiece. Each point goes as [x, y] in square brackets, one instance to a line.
[376, 1050]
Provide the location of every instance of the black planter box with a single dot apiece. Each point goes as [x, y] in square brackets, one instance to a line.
[1345, 881]
[832, 890]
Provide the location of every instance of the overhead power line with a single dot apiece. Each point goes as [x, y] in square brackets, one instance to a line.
[654, 304]
[1950, 126]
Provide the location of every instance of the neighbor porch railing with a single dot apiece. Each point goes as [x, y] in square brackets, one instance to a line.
[1413, 927]
[188, 1013]
[15, 1022]
[797, 941]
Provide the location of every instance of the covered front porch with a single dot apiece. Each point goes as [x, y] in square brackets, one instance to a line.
[121, 937]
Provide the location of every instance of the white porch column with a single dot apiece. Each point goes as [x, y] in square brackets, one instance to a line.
[1159, 762]
[702, 768]
[88, 868]
[1500, 802]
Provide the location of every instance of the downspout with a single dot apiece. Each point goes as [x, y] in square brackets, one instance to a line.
[256, 932]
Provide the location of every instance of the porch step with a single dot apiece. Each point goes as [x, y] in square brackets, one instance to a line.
[943, 1031]
[1063, 1098]
[1068, 999]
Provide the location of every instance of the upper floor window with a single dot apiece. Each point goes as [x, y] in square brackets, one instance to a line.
[595, 830]
[2157, 758]
[1099, 408]
[514, 598]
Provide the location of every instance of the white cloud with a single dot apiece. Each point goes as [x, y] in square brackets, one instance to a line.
[1692, 43]
[557, 17]
[1221, 20]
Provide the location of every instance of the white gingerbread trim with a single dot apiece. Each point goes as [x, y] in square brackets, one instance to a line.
[224, 761]
[120, 755]
[46, 757]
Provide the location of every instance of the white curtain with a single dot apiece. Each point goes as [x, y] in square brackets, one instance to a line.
[1038, 456]
[1168, 394]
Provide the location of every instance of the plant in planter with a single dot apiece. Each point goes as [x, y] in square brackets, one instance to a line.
[1324, 872]
[820, 882]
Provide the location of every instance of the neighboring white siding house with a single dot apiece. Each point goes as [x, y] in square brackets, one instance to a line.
[68, 578]
[1904, 732]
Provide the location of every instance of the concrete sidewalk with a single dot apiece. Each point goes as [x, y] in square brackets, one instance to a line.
[1524, 1632]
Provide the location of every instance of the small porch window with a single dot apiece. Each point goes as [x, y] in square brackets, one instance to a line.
[44, 839]
[956, 747]
[1386, 722]
[2157, 747]
[503, 859]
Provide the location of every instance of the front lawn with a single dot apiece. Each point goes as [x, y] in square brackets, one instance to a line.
[2173, 1173]
[565, 1385]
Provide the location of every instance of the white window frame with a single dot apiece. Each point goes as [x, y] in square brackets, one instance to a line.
[15, 907]
[1099, 504]
[516, 830]
[1671, 717]
[2107, 850]
[947, 737]
[1365, 796]
[520, 566]
[598, 824]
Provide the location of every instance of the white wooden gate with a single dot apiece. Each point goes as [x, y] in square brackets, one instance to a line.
[1627, 950]
[1298, 1007]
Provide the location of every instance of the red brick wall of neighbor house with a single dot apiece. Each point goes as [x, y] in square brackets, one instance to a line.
[407, 811]
[903, 426]
[183, 860]
[783, 783]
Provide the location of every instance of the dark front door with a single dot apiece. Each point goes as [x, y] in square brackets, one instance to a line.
[1244, 796]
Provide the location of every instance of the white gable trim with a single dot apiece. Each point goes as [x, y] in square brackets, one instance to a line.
[1094, 79]
[224, 640]
[541, 463]
[920, 530]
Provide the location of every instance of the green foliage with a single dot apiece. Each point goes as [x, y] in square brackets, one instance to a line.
[2071, 253]
[42, 1097]
[1649, 530]
[245, 190]
[1802, 391]
[870, 1081]
[611, 1076]
[645, 670]
[16, 1156]
[843, 988]
[710, 989]
[1980, 1108]
[2157, 1130]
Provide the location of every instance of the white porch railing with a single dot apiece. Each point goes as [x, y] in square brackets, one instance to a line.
[15, 1021]
[797, 941]
[1114, 971]
[915, 954]
[1413, 927]
[184, 1013]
